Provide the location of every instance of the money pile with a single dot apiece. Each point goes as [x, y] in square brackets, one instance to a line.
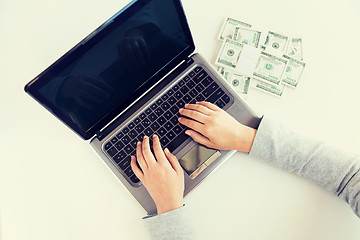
[267, 61]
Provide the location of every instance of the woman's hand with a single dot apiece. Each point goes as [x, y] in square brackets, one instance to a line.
[162, 176]
[214, 128]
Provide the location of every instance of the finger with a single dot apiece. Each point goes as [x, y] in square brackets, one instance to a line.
[199, 127]
[138, 173]
[200, 117]
[173, 161]
[140, 157]
[197, 137]
[149, 157]
[159, 153]
[200, 108]
[209, 105]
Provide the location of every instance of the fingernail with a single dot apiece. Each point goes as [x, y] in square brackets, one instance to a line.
[188, 133]
[180, 110]
[179, 119]
[154, 136]
[167, 150]
[138, 143]
[145, 137]
[186, 105]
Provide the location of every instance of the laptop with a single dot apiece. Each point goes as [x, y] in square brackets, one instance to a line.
[128, 79]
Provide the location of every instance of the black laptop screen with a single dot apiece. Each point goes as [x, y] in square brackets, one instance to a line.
[114, 65]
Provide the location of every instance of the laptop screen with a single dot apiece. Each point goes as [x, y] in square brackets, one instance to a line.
[114, 65]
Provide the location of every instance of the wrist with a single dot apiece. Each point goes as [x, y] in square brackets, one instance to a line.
[164, 209]
[246, 139]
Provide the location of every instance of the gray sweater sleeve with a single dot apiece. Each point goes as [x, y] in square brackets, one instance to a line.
[173, 225]
[335, 170]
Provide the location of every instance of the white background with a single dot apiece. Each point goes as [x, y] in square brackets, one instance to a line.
[53, 186]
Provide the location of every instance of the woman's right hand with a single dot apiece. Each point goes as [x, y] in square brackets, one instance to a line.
[213, 127]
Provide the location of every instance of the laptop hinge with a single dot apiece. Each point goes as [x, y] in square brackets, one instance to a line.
[99, 135]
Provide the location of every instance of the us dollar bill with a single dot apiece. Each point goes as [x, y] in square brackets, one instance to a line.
[293, 71]
[229, 54]
[276, 41]
[270, 68]
[295, 49]
[240, 83]
[247, 36]
[229, 26]
[269, 88]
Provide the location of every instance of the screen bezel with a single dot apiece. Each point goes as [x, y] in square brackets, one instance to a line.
[32, 88]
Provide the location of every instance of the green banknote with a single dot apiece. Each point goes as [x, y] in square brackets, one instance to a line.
[229, 54]
[268, 88]
[270, 68]
[247, 36]
[293, 71]
[276, 41]
[229, 26]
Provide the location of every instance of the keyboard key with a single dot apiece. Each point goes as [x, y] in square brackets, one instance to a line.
[108, 145]
[152, 117]
[175, 88]
[213, 98]
[129, 171]
[142, 115]
[197, 69]
[140, 137]
[159, 102]
[155, 126]
[148, 111]
[125, 163]
[180, 104]
[146, 123]
[171, 100]
[161, 132]
[170, 135]
[226, 99]
[128, 149]
[170, 92]
[184, 89]
[181, 83]
[119, 135]
[177, 129]
[209, 90]
[119, 145]
[165, 106]
[219, 92]
[148, 132]
[186, 78]
[190, 84]
[126, 139]
[220, 103]
[199, 87]
[114, 140]
[182, 137]
[154, 106]
[168, 115]
[161, 120]
[168, 126]
[186, 98]
[131, 125]
[134, 143]
[193, 93]
[119, 157]
[134, 179]
[192, 74]
[200, 76]
[174, 120]
[137, 121]
[112, 151]
[132, 134]
[207, 81]
[174, 109]
[164, 141]
[178, 95]
[164, 97]
[125, 130]
[200, 98]
[139, 128]
[159, 111]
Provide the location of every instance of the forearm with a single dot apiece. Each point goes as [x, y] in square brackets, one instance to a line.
[333, 169]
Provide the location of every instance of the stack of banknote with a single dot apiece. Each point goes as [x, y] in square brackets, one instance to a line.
[264, 60]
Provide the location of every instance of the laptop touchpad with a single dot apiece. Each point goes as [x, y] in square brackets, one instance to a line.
[197, 159]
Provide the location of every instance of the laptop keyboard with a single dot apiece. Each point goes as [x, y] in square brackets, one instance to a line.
[161, 118]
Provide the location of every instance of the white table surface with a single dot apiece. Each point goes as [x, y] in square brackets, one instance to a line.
[53, 186]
